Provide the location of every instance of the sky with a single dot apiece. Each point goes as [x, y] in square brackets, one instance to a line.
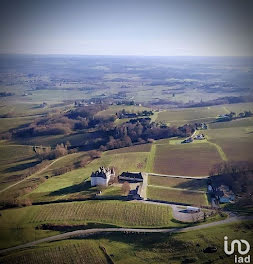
[142, 28]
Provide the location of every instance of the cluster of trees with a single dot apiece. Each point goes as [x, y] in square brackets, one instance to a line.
[51, 125]
[141, 132]
[233, 115]
[47, 153]
[125, 188]
[238, 176]
[124, 114]
[245, 114]
[62, 124]
[108, 135]
[4, 94]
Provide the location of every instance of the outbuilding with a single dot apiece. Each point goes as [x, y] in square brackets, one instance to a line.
[192, 209]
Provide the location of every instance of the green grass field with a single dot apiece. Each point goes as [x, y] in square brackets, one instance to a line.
[182, 183]
[135, 148]
[15, 161]
[137, 248]
[74, 139]
[79, 251]
[72, 184]
[243, 122]
[108, 212]
[200, 114]
[151, 158]
[17, 225]
[176, 195]
[236, 142]
[10, 123]
[68, 160]
[183, 116]
[112, 191]
[112, 110]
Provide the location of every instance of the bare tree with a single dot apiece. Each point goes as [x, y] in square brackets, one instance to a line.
[125, 188]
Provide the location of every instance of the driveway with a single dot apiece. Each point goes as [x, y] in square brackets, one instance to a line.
[180, 213]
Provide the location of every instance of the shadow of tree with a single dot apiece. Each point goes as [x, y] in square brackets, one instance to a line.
[193, 184]
[22, 166]
[83, 186]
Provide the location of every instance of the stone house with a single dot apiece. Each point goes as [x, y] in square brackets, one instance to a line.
[102, 176]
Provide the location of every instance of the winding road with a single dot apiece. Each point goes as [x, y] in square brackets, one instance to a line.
[93, 231]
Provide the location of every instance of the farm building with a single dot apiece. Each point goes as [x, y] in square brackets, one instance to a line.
[131, 176]
[188, 140]
[199, 137]
[224, 195]
[201, 126]
[191, 209]
[222, 118]
[102, 176]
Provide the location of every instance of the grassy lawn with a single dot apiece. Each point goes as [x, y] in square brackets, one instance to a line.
[176, 195]
[112, 191]
[185, 159]
[73, 184]
[178, 183]
[151, 158]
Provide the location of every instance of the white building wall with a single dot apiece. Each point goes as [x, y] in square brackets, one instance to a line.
[99, 181]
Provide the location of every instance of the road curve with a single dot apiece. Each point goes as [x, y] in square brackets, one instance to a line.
[92, 231]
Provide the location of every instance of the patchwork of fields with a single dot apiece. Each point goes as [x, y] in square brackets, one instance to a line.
[183, 116]
[236, 142]
[73, 184]
[15, 160]
[232, 140]
[200, 114]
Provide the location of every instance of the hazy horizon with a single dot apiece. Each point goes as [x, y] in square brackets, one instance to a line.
[127, 28]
